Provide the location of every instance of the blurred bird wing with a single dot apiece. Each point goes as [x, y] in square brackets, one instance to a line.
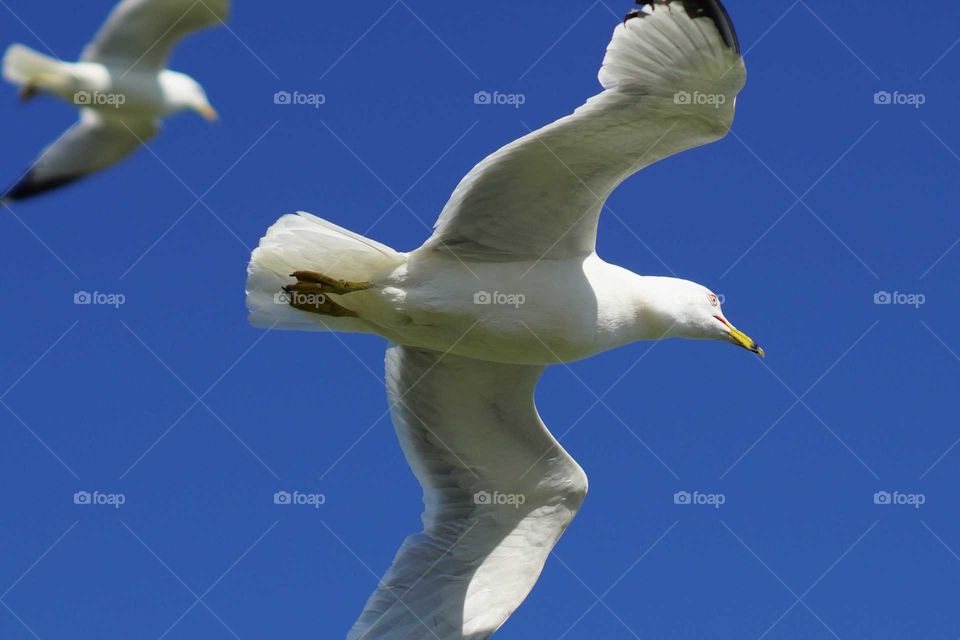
[671, 76]
[94, 143]
[498, 492]
[141, 34]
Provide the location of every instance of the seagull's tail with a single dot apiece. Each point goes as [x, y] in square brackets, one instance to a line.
[31, 69]
[304, 243]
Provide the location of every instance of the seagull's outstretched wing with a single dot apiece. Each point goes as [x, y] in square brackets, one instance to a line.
[94, 143]
[671, 77]
[141, 33]
[498, 490]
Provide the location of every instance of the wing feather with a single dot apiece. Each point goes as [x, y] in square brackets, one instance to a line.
[94, 143]
[498, 492]
[671, 76]
[141, 33]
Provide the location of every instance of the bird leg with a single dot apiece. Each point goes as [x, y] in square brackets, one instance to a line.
[330, 285]
[27, 92]
[310, 294]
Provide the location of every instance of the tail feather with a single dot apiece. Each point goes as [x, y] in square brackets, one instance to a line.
[24, 66]
[304, 242]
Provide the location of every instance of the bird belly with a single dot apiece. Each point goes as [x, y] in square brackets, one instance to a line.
[521, 313]
[114, 91]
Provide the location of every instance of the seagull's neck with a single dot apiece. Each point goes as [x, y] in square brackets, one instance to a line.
[659, 306]
[630, 306]
[654, 322]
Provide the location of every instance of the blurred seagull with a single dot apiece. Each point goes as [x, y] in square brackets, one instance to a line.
[121, 85]
[508, 284]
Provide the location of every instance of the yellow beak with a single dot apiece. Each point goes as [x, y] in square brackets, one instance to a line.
[745, 341]
[209, 113]
[741, 339]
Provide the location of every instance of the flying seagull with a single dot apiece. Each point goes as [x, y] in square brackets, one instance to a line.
[121, 85]
[509, 284]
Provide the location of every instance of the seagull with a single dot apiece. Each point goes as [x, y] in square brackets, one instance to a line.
[121, 85]
[509, 284]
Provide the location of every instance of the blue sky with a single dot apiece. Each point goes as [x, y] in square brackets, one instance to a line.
[820, 200]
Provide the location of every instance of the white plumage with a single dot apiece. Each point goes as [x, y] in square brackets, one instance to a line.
[541, 196]
[120, 84]
[508, 284]
[498, 490]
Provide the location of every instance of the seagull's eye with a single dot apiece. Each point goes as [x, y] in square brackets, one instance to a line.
[714, 300]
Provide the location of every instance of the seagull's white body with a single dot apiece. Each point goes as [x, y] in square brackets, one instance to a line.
[509, 283]
[120, 84]
[146, 94]
[518, 313]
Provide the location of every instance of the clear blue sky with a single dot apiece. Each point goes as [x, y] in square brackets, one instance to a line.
[173, 401]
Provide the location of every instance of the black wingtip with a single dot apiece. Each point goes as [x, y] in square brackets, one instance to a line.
[715, 10]
[28, 187]
[712, 9]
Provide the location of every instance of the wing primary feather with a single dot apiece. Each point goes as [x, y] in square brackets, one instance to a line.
[29, 186]
[95, 143]
[712, 9]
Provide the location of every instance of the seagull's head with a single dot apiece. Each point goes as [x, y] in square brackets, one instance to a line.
[201, 104]
[684, 309]
[189, 94]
